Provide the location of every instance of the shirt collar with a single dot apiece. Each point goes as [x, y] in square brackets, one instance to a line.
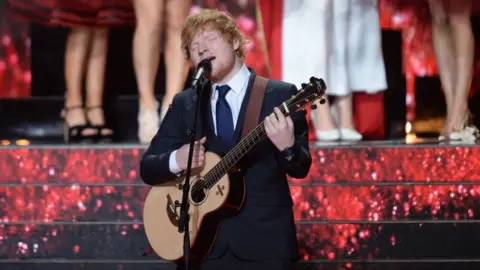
[237, 82]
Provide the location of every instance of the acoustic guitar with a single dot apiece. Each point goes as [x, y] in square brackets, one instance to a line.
[215, 194]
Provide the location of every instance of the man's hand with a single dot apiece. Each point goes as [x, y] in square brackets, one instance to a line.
[280, 129]
[198, 155]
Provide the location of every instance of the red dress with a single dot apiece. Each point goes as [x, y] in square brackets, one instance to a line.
[74, 13]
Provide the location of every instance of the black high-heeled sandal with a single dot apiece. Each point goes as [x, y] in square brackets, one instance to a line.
[75, 133]
[103, 134]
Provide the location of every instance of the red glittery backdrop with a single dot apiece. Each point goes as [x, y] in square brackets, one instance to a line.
[356, 203]
[15, 75]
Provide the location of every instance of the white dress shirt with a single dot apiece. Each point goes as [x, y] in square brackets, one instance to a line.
[234, 97]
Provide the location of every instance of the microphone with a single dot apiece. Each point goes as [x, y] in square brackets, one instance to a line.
[203, 71]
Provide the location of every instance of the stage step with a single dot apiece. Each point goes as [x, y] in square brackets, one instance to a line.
[377, 206]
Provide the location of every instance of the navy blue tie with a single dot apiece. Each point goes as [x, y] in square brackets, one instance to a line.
[224, 117]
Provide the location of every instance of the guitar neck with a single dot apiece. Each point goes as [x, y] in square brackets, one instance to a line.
[238, 152]
[310, 92]
[235, 155]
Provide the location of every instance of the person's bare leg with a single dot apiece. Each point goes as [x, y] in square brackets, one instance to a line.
[345, 111]
[175, 60]
[463, 39]
[323, 118]
[96, 78]
[146, 55]
[78, 43]
[146, 47]
[344, 106]
[444, 54]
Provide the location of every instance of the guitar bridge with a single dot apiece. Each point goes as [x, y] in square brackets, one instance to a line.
[172, 209]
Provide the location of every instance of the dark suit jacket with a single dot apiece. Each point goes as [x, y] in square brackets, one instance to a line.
[265, 228]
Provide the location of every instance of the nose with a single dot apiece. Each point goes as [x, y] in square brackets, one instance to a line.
[202, 48]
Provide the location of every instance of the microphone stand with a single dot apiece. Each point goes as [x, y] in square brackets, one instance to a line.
[184, 207]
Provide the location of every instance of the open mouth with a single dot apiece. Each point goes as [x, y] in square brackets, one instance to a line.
[210, 58]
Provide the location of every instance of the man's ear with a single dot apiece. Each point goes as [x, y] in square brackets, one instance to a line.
[236, 44]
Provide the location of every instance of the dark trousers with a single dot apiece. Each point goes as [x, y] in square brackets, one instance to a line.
[230, 261]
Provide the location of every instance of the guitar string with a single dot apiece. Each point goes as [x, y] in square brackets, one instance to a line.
[223, 166]
[238, 149]
[254, 135]
[243, 149]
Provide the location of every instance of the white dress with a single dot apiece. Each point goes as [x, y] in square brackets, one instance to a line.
[337, 40]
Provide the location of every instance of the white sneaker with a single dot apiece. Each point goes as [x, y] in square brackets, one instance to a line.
[327, 135]
[347, 134]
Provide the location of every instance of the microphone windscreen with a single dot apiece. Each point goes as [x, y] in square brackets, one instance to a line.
[206, 63]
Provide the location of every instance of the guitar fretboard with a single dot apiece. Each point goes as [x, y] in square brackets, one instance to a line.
[234, 155]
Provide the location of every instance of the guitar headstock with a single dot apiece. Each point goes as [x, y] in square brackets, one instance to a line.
[309, 93]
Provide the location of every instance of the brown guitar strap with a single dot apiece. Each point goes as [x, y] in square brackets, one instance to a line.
[254, 105]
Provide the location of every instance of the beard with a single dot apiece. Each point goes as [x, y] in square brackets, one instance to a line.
[220, 71]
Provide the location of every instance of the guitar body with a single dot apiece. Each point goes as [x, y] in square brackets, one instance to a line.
[208, 208]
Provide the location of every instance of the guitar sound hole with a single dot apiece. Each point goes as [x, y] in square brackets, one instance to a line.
[198, 192]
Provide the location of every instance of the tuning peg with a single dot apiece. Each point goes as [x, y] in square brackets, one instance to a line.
[322, 101]
[313, 107]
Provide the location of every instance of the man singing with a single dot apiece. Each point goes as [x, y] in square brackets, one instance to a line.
[263, 235]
